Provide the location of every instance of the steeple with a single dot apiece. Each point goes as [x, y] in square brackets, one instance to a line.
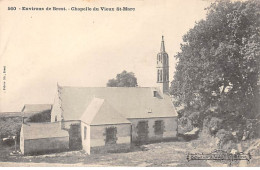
[162, 45]
[163, 68]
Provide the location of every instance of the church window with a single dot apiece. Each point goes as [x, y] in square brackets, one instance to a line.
[111, 135]
[55, 118]
[158, 127]
[158, 75]
[85, 132]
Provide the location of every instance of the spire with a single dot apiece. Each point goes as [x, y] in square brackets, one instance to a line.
[162, 45]
[163, 68]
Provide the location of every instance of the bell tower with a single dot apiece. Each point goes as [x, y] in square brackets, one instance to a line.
[163, 69]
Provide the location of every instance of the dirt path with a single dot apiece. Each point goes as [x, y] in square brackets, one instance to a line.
[31, 164]
[158, 154]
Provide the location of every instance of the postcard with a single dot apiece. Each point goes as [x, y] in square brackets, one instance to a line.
[140, 83]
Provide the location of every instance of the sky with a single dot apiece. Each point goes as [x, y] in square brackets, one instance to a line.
[41, 48]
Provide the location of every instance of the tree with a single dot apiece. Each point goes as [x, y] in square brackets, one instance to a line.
[124, 79]
[217, 73]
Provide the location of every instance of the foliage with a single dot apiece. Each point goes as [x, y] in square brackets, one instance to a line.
[217, 73]
[188, 121]
[225, 139]
[214, 125]
[10, 126]
[124, 79]
[184, 125]
[44, 116]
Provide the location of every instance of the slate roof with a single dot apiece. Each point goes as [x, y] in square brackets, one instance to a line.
[36, 107]
[130, 102]
[31, 109]
[43, 130]
[100, 112]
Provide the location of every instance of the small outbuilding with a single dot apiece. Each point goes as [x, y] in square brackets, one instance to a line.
[38, 138]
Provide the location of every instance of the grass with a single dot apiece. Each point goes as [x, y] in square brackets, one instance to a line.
[157, 154]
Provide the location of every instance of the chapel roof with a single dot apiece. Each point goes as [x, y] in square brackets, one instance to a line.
[32, 109]
[36, 107]
[130, 102]
[99, 111]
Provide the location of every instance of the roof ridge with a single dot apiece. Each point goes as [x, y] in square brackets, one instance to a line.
[38, 104]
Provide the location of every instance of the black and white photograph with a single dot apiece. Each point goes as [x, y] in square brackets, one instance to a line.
[130, 83]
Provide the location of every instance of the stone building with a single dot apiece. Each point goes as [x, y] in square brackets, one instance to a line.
[110, 119]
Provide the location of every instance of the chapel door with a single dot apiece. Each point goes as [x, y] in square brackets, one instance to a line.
[142, 132]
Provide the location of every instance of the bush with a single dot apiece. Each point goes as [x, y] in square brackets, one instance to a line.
[214, 125]
[44, 116]
[8, 141]
[184, 125]
[226, 140]
[10, 126]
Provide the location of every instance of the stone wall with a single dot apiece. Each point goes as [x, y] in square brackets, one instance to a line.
[96, 138]
[170, 129]
[45, 145]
